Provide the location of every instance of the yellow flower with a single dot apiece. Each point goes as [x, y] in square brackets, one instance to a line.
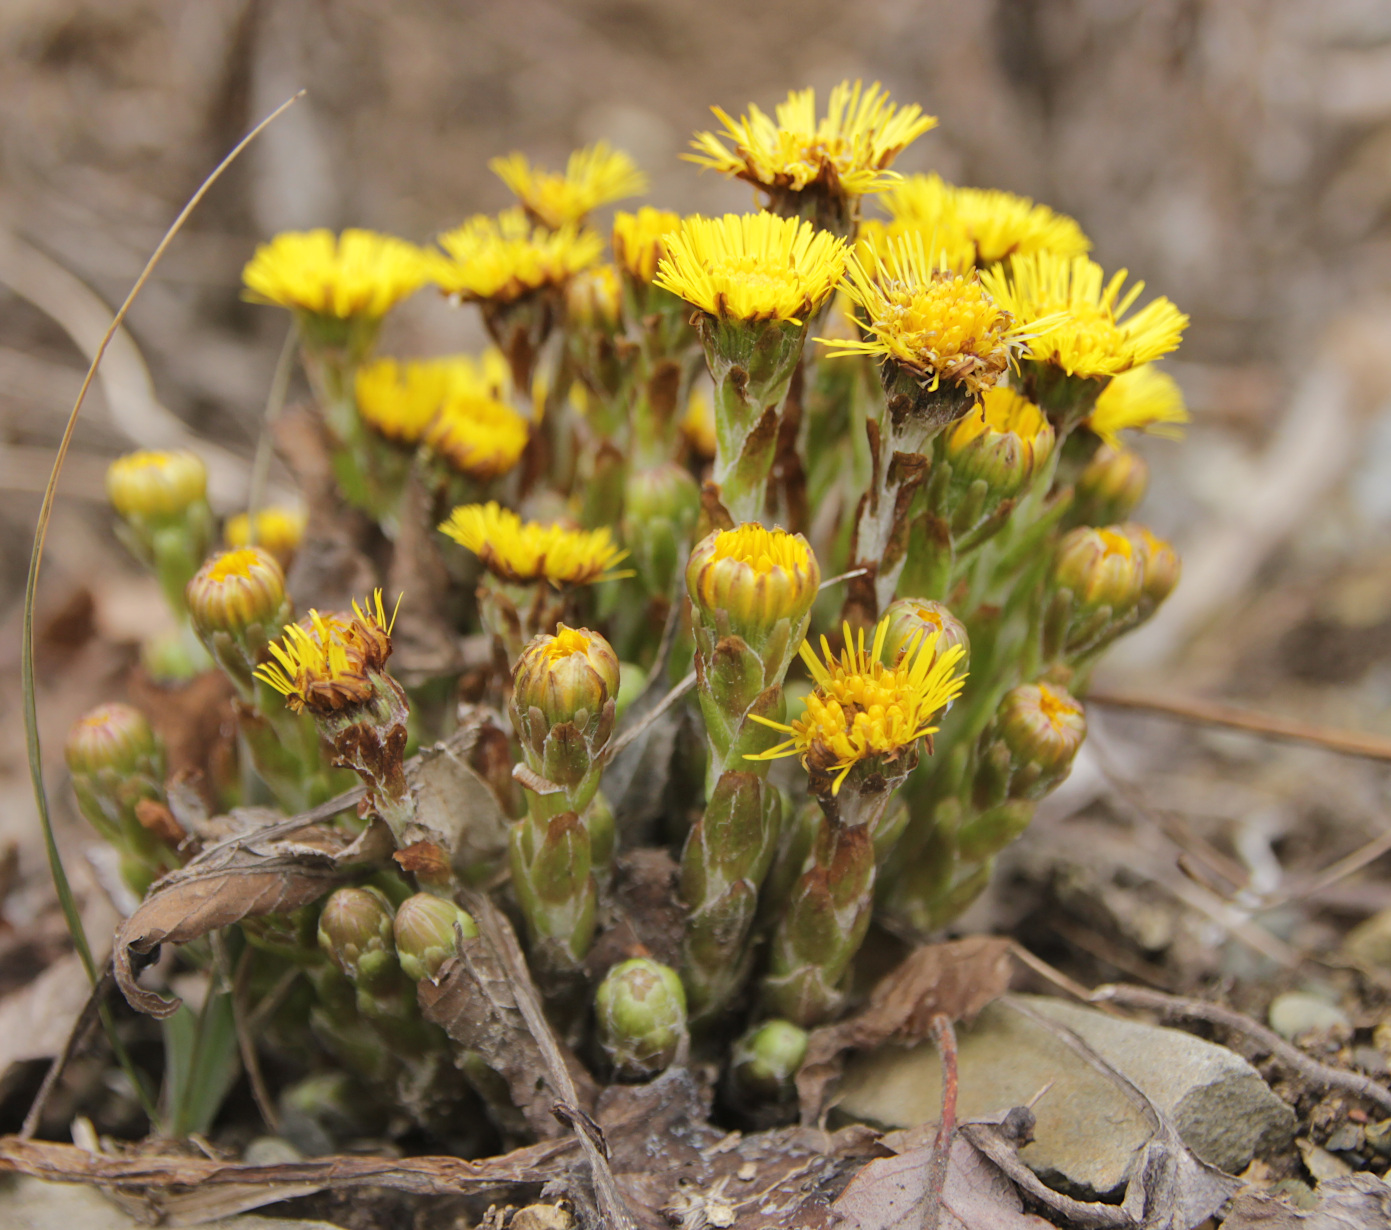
[939, 323]
[519, 551]
[399, 398]
[1144, 398]
[504, 258]
[1003, 441]
[750, 578]
[639, 240]
[359, 273]
[277, 530]
[861, 709]
[752, 266]
[324, 662]
[1086, 335]
[594, 176]
[995, 224]
[477, 434]
[235, 590]
[155, 484]
[849, 150]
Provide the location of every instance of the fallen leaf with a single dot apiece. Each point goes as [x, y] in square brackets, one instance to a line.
[956, 979]
[1352, 1202]
[455, 807]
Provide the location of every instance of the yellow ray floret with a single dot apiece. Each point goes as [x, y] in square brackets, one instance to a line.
[594, 176]
[519, 551]
[639, 240]
[942, 324]
[752, 266]
[324, 662]
[506, 257]
[358, 273]
[1144, 398]
[1002, 410]
[994, 224]
[399, 398]
[478, 435]
[862, 709]
[1088, 335]
[848, 150]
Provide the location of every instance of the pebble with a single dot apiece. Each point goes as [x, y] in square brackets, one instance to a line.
[1298, 1012]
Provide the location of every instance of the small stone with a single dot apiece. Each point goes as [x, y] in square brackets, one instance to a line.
[1370, 1060]
[1297, 1012]
[1378, 1135]
[747, 1172]
[1087, 1132]
[1320, 1162]
[1346, 1138]
[1369, 943]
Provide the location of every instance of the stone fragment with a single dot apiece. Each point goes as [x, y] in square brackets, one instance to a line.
[1298, 1012]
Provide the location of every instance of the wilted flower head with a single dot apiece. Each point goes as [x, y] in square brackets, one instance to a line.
[513, 550]
[594, 176]
[357, 274]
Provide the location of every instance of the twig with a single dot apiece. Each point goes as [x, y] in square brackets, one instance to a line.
[1340, 870]
[1046, 971]
[1214, 713]
[650, 716]
[945, 1038]
[841, 576]
[1317, 1073]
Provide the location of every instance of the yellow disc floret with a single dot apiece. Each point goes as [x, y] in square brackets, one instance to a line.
[156, 484]
[519, 551]
[639, 240]
[359, 273]
[594, 176]
[861, 709]
[751, 578]
[324, 663]
[1144, 398]
[1087, 334]
[506, 257]
[752, 266]
[943, 325]
[477, 435]
[849, 149]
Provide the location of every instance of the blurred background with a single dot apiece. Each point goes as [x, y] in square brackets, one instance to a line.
[1235, 154]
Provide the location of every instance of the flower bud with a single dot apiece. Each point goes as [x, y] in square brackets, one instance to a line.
[641, 1010]
[1102, 568]
[766, 1060]
[424, 929]
[115, 738]
[661, 506]
[748, 580]
[568, 677]
[594, 299]
[1003, 441]
[153, 485]
[237, 591]
[1162, 565]
[355, 930]
[1042, 727]
[1110, 487]
[278, 531]
[913, 621]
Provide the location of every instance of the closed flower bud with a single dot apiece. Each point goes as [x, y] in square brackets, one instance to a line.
[277, 530]
[641, 1010]
[1162, 565]
[766, 1060]
[913, 621]
[1110, 487]
[1003, 441]
[1101, 568]
[661, 507]
[425, 931]
[355, 930]
[568, 677]
[1042, 727]
[749, 580]
[152, 485]
[237, 591]
[115, 738]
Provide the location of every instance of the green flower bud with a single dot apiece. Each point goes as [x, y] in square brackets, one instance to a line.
[115, 738]
[237, 591]
[424, 929]
[1003, 442]
[1110, 487]
[748, 581]
[570, 677]
[1101, 567]
[1162, 566]
[913, 621]
[766, 1059]
[355, 930]
[1042, 727]
[661, 507]
[641, 1009]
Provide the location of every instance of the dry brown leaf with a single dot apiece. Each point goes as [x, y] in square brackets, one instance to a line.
[956, 979]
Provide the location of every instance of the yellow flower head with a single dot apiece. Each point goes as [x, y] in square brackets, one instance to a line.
[861, 709]
[1002, 411]
[324, 663]
[849, 150]
[1144, 398]
[994, 224]
[518, 551]
[156, 484]
[359, 273]
[752, 578]
[594, 176]
[398, 398]
[477, 434]
[277, 530]
[506, 257]
[752, 266]
[1086, 336]
[639, 240]
[235, 591]
[939, 323]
